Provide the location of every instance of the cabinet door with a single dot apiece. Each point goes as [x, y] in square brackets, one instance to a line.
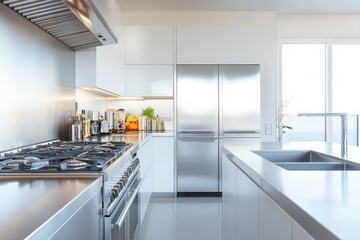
[163, 164]
[229, 203]
[145, 193]
[145, 157]
[146, 173]
[204, 45]
[299, 233]
[248, 208]
[274, 222]
[149, 80]
[150, 45]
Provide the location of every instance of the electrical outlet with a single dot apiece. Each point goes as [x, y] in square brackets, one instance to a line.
[168, 119]
[268, 129]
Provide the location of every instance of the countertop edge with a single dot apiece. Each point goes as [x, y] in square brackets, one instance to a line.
[48, 228]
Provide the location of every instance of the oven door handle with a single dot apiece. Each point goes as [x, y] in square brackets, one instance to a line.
[122, 216]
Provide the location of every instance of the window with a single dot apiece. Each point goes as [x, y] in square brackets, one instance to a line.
[303, 86]
[320, 77]
[303, 77]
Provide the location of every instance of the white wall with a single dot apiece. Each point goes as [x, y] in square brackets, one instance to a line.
[37, 79]
[318, 25]
[90, 101]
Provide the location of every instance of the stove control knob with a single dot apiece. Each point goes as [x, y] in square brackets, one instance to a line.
[120, 184]
[112, 196]
[123, 181]
[117, 187]
[114, 193]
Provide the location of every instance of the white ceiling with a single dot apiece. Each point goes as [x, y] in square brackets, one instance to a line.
[281, 6]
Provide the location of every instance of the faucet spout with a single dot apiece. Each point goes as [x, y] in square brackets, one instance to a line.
[344, 128]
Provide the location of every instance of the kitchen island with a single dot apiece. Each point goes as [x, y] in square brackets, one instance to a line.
[324, 204]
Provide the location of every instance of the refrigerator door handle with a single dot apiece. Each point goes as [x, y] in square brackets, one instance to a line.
[239, 132]
[198, 132]
[192, 139]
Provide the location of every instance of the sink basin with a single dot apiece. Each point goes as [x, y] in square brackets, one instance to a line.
[296, 156]
[320, 166]
[307, 161]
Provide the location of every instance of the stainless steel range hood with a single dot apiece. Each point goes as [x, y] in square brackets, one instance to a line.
[76, 23]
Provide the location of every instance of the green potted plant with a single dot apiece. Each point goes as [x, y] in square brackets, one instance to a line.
[148, 112]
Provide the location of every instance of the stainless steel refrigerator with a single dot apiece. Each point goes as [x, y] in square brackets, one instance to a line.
[213, 101]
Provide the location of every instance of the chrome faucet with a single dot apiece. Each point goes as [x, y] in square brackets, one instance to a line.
[344, 128]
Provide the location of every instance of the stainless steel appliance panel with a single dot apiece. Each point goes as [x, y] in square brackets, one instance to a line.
[124, 222]
[240, 100]
[197, 165]
[197, 99]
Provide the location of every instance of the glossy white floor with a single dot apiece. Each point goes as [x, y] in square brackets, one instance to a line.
[182, 219]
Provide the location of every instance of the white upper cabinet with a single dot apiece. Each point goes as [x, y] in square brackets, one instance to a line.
[150, 45]
[218, 45]
[149, 80]
[149, 59]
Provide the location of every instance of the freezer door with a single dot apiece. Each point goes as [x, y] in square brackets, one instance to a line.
[197, 165]
[197, 99]
[240, 100]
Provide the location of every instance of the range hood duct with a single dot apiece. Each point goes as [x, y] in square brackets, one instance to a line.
[76, 23]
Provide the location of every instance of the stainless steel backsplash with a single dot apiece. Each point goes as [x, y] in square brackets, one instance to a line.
[37, 83]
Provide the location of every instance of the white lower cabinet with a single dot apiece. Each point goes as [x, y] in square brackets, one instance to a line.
[249, 213]
[299, 233]
[248, 207]
[145, 154]
[229, 203]
[274, 222]
[146, 173]
[163, 166]
[145, 194]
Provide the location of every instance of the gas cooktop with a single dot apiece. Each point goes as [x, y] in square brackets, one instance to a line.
[63, 156]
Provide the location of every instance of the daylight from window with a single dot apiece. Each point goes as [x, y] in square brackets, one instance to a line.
[314, 79]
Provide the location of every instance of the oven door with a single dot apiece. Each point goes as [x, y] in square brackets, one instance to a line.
[123, 223]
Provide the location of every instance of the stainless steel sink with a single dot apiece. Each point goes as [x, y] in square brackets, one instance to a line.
[307, 161]
[320, 166]
[296, 156]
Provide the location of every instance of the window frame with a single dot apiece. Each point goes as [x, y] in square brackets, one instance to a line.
[329, 42]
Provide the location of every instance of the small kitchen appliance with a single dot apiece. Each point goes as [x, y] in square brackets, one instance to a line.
[122, 118]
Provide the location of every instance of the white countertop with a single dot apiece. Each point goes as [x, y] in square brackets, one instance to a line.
[332, 198]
